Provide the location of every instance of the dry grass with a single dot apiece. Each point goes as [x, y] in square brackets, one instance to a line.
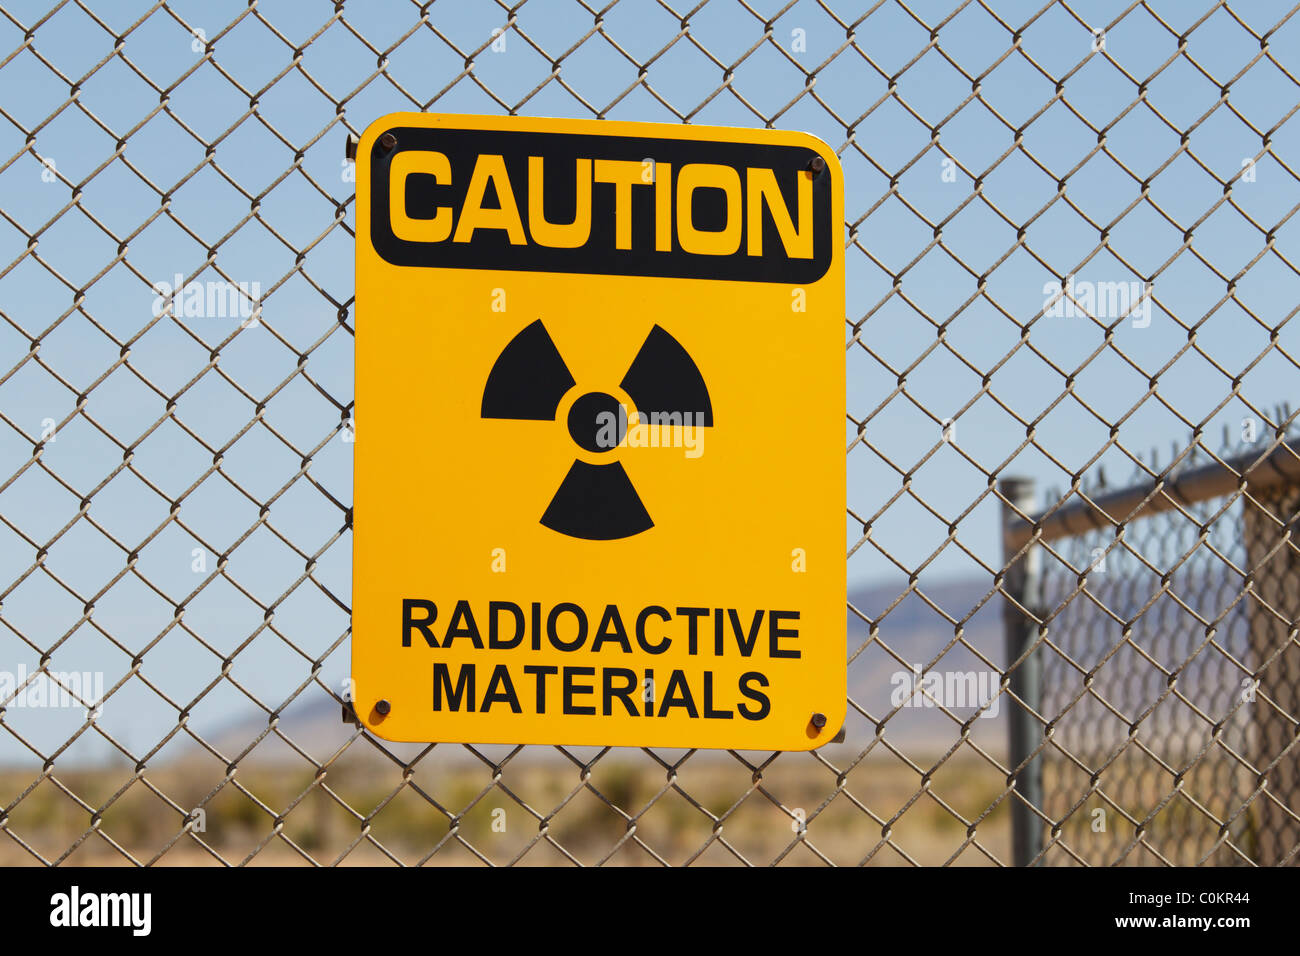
[756, 824]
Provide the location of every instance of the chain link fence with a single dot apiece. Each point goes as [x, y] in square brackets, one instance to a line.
[1067, 238]
[1169, 672]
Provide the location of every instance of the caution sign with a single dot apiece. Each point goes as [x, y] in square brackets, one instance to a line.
[599, 434]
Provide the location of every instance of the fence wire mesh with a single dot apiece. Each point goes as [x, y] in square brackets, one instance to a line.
[1171, 687]
[176, 485]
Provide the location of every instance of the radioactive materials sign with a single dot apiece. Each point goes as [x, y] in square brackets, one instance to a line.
[599, 438]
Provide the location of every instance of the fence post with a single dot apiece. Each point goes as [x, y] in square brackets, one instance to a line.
[1023, 582]
[1276, 698]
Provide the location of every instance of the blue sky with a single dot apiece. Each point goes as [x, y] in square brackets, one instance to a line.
[301, 257]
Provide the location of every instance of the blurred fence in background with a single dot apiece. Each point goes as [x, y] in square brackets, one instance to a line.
[175, 485]
[1160, 726]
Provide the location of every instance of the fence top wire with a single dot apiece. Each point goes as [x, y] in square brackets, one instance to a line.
[1182, 482]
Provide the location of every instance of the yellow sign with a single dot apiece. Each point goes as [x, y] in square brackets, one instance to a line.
[599, 438]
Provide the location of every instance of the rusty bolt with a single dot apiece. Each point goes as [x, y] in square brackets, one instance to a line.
[384, 708]
[816, 165]
[819, 721]
[388, 141]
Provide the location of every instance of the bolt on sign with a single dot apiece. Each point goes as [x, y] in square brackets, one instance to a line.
[600, 474]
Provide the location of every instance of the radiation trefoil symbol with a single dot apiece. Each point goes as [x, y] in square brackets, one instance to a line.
[595, 501]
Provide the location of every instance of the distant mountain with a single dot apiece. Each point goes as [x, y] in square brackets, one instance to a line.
[917, 633]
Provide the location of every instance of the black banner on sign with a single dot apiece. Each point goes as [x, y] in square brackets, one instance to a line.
[612, 205]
